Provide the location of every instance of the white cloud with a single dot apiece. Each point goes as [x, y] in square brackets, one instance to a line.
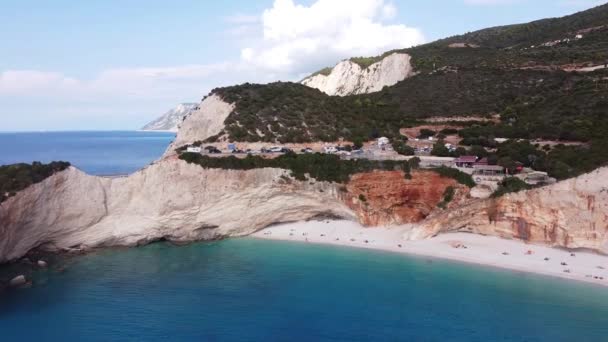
[296, 37]
[13, 82]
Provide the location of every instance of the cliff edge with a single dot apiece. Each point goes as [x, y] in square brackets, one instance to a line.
[571, 214]
[350, 78]
[170, 200]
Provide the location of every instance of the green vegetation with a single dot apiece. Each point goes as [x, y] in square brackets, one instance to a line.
[510, 46]
[426, 133]
[17, 177]
[322, 167]
[448, 196]
[459, 176]
[502, 75]
[324, 72]
[440, 150]
[448, 131]
[401, 147]
[366, 62]
[510, 184]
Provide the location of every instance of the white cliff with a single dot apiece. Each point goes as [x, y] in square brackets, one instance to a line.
[206, 121]
[348, 78]
[171, 120]
[170, 200]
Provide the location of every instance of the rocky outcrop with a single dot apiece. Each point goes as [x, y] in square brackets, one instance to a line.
[206, 121]
[171, 120]
[18, 281]
[349, 78]
[385, 198]
[572, 214]
[169, 200]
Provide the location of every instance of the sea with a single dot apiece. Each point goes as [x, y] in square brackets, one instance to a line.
[249, 289]
[95, 152]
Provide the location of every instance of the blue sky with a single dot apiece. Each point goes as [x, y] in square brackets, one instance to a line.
[69, 65]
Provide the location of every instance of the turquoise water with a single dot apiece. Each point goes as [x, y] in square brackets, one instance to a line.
[98, 153]
[256, 290]
[247, 289]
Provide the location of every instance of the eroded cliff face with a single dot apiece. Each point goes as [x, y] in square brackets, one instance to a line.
[348, 78]
[571, 214]
[385, 198]
[206, 121]
[169, 200]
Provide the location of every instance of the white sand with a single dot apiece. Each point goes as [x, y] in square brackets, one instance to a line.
[485, 250]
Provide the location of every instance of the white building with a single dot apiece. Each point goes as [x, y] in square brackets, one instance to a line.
[383, 141]
[193, 149]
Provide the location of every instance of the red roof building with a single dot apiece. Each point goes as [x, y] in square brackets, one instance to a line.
[465, 161]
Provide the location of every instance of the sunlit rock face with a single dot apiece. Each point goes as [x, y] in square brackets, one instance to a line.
[169, 200]
[349, 78]
[202, 123]
[572, 213]
[171, 120]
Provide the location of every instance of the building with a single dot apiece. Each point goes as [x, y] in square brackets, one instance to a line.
[482, 161]
[383, 141]
[465, 161]
[488, 170]
[194, 149]
[536, 178]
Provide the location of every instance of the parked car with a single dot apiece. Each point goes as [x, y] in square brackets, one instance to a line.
[212, 149]
[276, 149]
[307, 150]
[330, 149]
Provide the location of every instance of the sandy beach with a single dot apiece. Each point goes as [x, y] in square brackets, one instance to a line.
[463, 247]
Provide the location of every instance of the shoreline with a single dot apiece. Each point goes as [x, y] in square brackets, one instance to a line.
[583, 266]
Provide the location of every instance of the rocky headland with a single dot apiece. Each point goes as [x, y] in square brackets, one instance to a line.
[177, 201]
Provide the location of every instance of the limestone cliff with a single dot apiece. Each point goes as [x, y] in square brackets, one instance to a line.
[169, 200]
[349, 78]
[171, 120]
[572, 213]
[204, 122]
[177, 201]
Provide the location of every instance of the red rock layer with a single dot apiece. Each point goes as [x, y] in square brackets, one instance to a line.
[388, 198]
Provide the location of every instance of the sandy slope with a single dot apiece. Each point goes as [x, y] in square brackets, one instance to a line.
[583, 266]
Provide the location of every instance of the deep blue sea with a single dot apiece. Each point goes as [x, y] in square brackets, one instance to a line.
[257, 290]
[98, 153]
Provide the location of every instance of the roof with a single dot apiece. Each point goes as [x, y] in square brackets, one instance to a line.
[466, 159]
[489, 167]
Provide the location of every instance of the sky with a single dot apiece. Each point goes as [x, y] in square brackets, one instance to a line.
[117, 64]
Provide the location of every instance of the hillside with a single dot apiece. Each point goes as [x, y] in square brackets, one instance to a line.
[548, 42]
[171, 119]
[541, 92]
